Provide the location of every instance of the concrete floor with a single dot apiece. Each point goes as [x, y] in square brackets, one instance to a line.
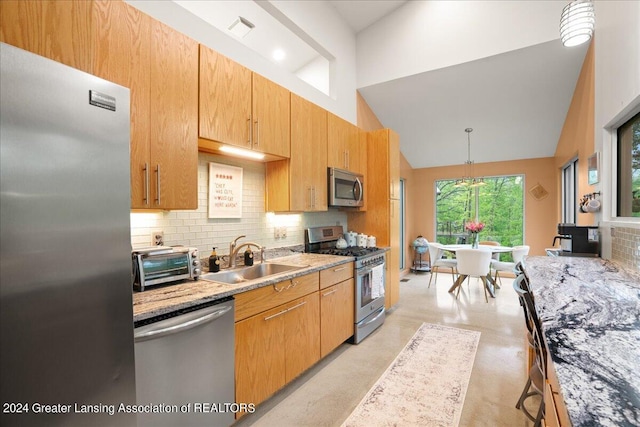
[327, 393]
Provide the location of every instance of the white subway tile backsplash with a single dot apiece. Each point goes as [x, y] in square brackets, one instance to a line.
[194, 228]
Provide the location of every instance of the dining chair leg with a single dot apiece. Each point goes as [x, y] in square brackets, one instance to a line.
[460, 287]
[433, 270]
[497, 278]
[484, 286]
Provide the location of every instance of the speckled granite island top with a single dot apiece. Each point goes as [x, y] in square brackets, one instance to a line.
[590, 313]
[165, 299]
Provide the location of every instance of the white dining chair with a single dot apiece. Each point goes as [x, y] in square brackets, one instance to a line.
[518, 252]
[435, 256]
[474, 263]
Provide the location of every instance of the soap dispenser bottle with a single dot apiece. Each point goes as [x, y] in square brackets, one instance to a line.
[214, 261]
[248, 257]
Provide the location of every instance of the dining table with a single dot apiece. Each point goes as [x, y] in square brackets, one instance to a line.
[490, 283]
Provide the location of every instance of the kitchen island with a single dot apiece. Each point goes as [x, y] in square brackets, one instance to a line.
[590, 313]
[168, 298]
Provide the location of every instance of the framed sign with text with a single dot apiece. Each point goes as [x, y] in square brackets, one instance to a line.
[225, 191]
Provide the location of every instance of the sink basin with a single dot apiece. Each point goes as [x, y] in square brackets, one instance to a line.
[245, 274]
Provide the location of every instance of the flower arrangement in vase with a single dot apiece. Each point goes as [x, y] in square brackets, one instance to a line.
[474, 227]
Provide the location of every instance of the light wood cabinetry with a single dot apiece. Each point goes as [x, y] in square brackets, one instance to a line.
[241, 108]
[346, 145]
[382, 218]
[160, 67]
[299, 184]
[174, 119]
[258, 300]
[336, 314]
[277, 344]
[58, 30]
[225, 99]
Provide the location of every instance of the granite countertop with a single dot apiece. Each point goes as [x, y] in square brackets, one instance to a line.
[590, 313]
[168, 298]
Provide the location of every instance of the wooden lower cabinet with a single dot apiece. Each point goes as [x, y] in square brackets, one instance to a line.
[336, 315]
[275, 346]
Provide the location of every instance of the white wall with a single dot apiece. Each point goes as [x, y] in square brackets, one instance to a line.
[194, 228]
[317, 19]
[461, 31]
[617, 95]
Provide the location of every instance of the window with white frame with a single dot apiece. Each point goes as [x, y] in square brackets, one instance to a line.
[628, 195]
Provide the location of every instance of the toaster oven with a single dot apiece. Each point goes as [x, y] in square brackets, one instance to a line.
[163, 264]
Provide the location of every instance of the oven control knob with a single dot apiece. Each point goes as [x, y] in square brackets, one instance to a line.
[196, 271]
[196, 262]
[194, 254]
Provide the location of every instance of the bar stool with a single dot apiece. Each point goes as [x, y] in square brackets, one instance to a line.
[537, 372]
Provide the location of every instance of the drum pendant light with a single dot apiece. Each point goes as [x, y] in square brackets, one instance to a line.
[577, 23]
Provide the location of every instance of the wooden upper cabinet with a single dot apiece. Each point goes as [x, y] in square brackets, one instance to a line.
[394, 165]
[270, 115]
[58, 30]
[174, 118]
[347, 145]
[225, 99]
[160, 67]
[123, 56]
[239, 107]
[383, 205]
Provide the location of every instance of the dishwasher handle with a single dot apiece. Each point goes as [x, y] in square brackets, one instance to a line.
[161, 332]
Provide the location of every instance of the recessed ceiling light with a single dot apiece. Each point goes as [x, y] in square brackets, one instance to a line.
[241, 27]
[279, 54]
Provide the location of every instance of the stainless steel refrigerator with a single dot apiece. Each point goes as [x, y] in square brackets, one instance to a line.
[66, 317]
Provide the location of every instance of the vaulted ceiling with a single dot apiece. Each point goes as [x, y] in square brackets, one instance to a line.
[431, 68]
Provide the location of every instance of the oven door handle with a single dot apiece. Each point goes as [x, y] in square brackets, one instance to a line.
[381, 312]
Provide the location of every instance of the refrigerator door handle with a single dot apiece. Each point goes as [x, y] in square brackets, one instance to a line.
[161, 332]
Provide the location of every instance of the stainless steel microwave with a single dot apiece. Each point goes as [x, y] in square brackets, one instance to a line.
[346, 188]
[163, 264]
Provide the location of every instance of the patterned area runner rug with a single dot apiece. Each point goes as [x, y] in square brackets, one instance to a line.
[425, 385]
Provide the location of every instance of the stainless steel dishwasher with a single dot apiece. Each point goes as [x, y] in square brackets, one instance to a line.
[185, 366]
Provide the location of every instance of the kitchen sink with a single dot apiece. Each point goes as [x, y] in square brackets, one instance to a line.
[244, 274]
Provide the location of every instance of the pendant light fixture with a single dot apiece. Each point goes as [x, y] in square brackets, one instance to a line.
[577, 22]
[469, 179]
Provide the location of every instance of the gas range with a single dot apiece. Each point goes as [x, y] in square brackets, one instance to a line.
[322, 240]
[368, 275]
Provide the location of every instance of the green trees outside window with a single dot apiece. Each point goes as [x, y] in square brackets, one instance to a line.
[498, 203]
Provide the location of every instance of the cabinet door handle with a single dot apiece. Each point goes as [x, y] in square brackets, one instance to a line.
[348, 159]
[257, 141]
[275, 288]
[249, 132]
[158, 184]
[280, 313]
[311, 198]
[293, 284]
[329, 293]
[335, 270]
[297, 306]
[146, 184]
